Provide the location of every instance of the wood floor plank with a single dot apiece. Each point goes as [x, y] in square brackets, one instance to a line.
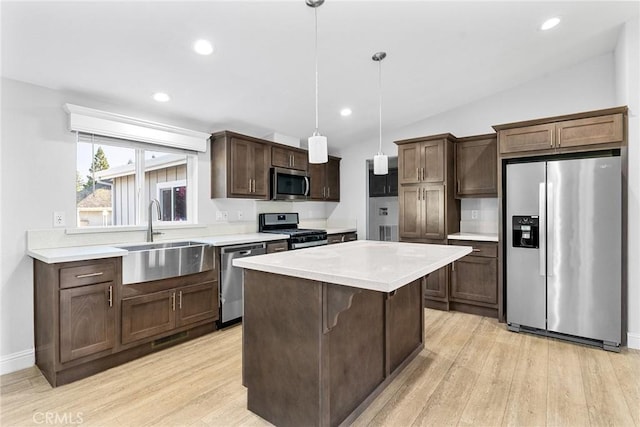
[446, 404]
[406, 405]
[487, 403]
[627, 371]
[566, 402]
[606, 402]
[527, 404]
[473, 371]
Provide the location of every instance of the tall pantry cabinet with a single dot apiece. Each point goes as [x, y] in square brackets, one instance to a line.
[428, 209]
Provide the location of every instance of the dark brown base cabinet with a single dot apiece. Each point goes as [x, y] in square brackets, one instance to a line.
[474, 280]
[341, 238]
[86, 321]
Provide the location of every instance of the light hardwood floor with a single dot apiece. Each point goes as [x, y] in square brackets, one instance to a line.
[472, 372]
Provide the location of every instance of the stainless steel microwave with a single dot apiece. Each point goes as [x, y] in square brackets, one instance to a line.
[289, 184]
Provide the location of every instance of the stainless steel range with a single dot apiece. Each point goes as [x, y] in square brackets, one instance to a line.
[287, 223]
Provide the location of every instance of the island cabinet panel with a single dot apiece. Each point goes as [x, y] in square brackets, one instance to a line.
[405, 326]
[321, 357]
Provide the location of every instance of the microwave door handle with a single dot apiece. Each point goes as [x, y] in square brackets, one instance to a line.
[306, 182]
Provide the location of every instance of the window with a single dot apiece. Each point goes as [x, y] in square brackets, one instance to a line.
[173, 200]
[117, 179]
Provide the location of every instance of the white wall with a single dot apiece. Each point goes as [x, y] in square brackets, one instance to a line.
[586, 86]
[628, 93]
[37, 177]
[591, 85]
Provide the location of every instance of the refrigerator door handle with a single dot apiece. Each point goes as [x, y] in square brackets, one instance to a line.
[550, 229]
[542, 229]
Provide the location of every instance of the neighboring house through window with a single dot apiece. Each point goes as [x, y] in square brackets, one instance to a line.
[116, 181]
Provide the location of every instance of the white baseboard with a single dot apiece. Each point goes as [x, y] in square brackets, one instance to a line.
[633, 340]
[17, 361]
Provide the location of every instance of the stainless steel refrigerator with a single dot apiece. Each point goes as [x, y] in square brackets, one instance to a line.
[563, 249]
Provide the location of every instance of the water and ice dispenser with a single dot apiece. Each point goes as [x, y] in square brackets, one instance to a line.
[525, 231]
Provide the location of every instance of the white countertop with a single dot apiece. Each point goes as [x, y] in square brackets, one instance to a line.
[366, 264]
[75, 253]
[480, 237]
[237, 239]
[81, 253]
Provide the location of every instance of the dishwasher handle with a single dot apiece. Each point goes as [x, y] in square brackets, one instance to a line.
[243, 249]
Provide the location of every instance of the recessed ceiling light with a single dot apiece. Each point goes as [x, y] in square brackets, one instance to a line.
[203, 47]
[345, 112]
[161, 97]
[550, 23]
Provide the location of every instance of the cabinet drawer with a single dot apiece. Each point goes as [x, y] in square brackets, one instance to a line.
[484, 249]
[89, 274]
[280, 246]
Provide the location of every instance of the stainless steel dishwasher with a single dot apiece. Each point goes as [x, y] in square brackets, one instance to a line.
[231, 279]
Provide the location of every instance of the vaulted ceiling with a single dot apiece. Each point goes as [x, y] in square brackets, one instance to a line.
[260, 77]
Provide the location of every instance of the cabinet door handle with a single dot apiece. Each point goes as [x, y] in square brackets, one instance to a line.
[328, 192]
[280, 249]
[180, 300]
[553, 133]
[293, 160]
[324, 192]
[475, 250]
[82, 276]
[173, 301]
[389, 189]
[558, 139]
[453, 266]
[422, 174]
[418, 173]
[111, 296]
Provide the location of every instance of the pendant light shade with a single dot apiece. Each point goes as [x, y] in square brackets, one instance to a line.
[380, 161]
[380, 164]
[318, 152]
[318, 149]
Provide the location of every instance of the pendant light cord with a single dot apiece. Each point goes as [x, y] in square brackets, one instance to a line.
[380, 101]
[316, 19]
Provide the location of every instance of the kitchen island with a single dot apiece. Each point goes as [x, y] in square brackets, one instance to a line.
[326, 329]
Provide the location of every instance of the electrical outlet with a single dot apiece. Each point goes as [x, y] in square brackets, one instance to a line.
[58, 219]
[218, 216]
[240, 215]
[225, 216]
[474, 214]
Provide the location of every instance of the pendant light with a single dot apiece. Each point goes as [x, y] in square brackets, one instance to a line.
[317, 143]
[380, 161]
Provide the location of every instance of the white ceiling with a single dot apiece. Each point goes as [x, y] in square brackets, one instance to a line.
[260, 78]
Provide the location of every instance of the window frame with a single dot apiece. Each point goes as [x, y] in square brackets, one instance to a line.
[141, 211]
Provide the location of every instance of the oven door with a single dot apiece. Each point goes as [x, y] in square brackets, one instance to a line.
[288, 184]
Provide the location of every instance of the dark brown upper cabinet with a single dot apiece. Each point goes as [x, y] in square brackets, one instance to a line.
[325, 180]
[476, 166]
[383, 185]
[239, 166]
[291, 158]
